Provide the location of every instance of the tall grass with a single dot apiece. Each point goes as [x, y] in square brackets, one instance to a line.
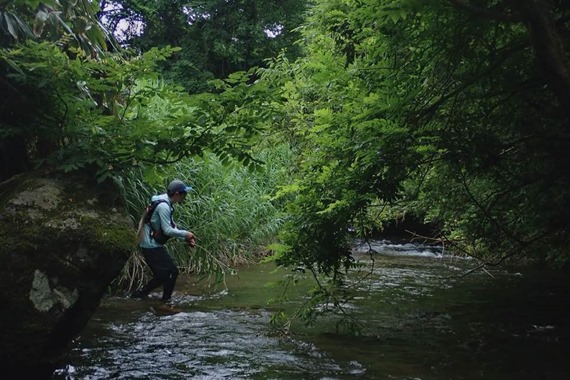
[136, 193]
[230, 211]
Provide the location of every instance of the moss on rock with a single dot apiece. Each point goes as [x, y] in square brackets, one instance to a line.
[64, 241]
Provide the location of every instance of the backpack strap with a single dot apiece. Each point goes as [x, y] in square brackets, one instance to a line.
[158, 235]
[145, 219]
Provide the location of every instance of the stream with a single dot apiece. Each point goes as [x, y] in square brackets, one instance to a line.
[421, 319]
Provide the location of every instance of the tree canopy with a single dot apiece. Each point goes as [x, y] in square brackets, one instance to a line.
[216, 37]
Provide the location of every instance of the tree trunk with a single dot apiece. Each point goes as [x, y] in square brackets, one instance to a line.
[550, 52]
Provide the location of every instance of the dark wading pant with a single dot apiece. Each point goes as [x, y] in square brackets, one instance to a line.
[163, 269]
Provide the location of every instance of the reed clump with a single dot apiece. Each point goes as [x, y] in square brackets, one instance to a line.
[231, 212]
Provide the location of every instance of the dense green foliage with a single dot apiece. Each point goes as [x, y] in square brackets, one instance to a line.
[451, 111]
[107, 112]
[111, 114]
[216, 37]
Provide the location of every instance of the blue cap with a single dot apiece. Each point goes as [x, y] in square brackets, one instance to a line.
[178, 186]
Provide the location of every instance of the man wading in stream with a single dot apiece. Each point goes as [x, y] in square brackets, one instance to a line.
[155, 228]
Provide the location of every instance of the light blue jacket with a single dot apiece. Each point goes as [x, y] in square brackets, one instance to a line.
[161, 218]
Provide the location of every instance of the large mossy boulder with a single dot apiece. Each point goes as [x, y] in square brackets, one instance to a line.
[62, 242]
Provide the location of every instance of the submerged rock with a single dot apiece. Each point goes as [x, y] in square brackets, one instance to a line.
[62, 242]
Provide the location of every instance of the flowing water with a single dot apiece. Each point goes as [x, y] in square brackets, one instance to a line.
[420, 318]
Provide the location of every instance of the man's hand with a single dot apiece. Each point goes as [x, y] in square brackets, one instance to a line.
[190, 239]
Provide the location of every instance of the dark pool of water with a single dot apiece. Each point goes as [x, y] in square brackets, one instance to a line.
[420, 319]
